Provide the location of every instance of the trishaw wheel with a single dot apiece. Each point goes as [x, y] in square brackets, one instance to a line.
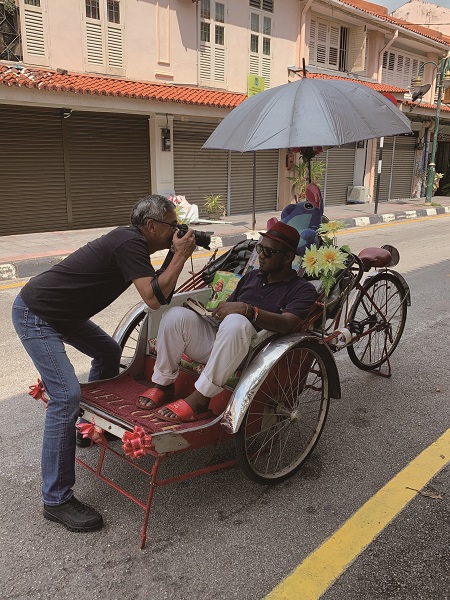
[381, 307]
[129, 340]
[286, 417]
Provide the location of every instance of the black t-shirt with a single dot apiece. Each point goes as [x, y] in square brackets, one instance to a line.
[89, 279]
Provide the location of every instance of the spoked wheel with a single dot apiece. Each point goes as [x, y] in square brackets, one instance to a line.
[285, 419]
[129, 340]
[382, 307]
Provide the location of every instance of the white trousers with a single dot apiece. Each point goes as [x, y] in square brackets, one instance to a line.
[222, 349]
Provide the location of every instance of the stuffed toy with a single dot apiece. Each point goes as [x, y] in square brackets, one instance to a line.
[306, 217]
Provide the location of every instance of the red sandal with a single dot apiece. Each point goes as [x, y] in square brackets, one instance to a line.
[184, 413]
[158, 396]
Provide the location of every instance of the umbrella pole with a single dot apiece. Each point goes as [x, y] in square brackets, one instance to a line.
[380, 162]
[309, 169]
[254, 194]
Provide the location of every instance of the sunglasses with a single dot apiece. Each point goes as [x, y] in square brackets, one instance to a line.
[268, 252]
[174, 226]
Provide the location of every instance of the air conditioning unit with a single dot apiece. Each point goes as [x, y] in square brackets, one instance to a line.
[357, 194]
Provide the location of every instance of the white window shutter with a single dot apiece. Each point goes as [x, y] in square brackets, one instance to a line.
[265, 71]
[357, 54]
[94, 42]
[254, 64]
[333, 46]
[114, 44]
[219, 64]
[312, 42]
[34, 41]
[322, 43]
[205, 64]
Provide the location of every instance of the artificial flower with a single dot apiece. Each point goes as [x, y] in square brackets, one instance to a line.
[332, 227]
[330, 259]
[310, 261]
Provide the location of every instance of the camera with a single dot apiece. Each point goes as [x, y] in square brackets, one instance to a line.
[202, 238]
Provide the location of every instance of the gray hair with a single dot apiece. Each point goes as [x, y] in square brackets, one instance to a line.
[150, 207]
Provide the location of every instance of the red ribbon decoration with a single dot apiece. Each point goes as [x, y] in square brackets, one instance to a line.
[38, 392]
[138, 443]
[88, 430]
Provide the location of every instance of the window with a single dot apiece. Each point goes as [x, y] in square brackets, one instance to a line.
[104, 37]
[113, 11]
[266, 5]
[325, 48]
[212, 43]
[260, 40]
[34, 32]
[400, 68]
[92, 9]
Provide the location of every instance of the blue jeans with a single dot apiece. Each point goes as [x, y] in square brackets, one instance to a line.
[46, 349]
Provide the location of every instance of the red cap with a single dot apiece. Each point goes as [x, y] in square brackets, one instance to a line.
[283, 233]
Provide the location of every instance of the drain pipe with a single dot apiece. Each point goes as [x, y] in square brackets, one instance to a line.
[302, 29]
[380, 55]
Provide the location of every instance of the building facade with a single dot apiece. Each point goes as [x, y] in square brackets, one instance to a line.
[103, 101]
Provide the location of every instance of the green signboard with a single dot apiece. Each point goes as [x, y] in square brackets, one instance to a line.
[255, 84]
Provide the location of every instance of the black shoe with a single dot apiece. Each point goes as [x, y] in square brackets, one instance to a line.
[86, 442]
[74, 515]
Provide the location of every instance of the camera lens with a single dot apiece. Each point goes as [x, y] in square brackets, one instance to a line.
[202, 239]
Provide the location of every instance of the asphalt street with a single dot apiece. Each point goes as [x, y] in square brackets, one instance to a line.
[221, 536]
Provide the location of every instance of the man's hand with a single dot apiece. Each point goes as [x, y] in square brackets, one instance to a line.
[280, 323]
[185, 245]
[230, 308]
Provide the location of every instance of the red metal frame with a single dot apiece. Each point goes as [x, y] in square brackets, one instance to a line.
[152, 475]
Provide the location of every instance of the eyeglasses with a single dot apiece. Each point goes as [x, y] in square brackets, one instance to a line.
[174, 226]
[268, 252]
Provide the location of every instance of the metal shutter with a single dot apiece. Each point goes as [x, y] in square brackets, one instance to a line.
[31, 171]
[386, 168]
[241, 181]
[397, 169]
[109, 167]
[339, 174]
[198, 173]
[403, 166]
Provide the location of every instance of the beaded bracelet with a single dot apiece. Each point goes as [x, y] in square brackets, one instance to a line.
[255, 314]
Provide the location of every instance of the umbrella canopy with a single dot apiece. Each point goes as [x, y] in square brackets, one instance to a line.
[309, 112]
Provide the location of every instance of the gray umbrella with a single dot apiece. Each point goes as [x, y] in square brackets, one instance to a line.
[305, 113]
[309, 112]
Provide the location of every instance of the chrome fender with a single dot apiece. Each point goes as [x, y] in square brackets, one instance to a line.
[127, 319]
[252, 378]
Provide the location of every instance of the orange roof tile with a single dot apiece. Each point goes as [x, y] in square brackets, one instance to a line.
[379, 87]
[444, 107]
[43, 79]
[381, 13]
[31, 77]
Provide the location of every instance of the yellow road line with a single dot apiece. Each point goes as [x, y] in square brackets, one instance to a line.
[12, 285]
[320, 569]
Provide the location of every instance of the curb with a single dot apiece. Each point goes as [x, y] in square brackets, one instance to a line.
[33, 266]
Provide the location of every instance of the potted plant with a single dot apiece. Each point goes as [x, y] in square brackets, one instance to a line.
[214, 206]
[300, 177]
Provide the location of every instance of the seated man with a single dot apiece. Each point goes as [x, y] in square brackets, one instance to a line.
[272, 297]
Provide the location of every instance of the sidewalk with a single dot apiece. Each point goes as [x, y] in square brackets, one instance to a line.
[26, 255]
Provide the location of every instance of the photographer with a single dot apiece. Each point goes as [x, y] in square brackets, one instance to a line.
[54, 309]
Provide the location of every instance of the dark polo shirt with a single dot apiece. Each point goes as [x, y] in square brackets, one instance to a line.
[293, 294]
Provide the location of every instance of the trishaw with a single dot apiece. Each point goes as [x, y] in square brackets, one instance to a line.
[276, 404]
